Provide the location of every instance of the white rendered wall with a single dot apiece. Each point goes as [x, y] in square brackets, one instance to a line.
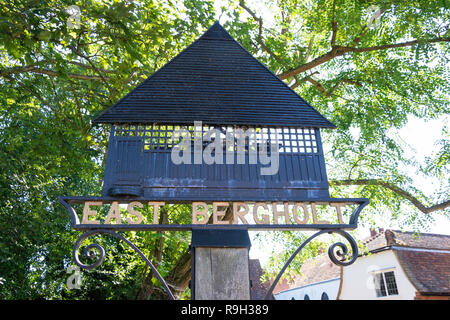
[314, 291]
[358, 281]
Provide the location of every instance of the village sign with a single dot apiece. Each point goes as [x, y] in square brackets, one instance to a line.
[216, 129]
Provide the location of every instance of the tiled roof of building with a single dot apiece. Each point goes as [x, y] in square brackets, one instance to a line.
[317, 270]
[312, 271]
[407, 239]
[216, 81]
[376, 241]
[428, 271]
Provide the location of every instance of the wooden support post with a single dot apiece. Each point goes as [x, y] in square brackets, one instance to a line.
[219, 268]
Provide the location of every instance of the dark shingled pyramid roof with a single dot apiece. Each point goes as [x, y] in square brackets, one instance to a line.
[216, 81]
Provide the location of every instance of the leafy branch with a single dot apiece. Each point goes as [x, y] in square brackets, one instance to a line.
[338, 51]
[396, 189]
[33, 68]
[260, 28]
[330, 92]
[36, 67]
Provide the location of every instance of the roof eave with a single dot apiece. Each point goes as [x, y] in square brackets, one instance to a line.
[98, 121]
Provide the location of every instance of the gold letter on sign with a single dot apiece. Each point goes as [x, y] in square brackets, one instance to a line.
[314, 215]
[196, 212]
[156, 206]
[237, 213]
[277, 214]
[220, 213]
[338, 209]
[87, 212]
[135, 213]
[295, 213]
[114, 213]
[265, 218]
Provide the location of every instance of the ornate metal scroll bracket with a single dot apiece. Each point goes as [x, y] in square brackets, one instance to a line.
[337, 253]
[96, 251]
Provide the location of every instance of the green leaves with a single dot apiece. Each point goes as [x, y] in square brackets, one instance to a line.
[389, 70]
[55, 79]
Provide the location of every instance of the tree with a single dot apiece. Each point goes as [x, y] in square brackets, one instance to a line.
[366, 66]
[62, 62]
[363, 65]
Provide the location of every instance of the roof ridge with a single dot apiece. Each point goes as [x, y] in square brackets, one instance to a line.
[422, 233]
[216, 32]
[407, 239]
[375, 236]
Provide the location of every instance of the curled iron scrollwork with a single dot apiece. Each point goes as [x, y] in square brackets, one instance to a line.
[97, 252]
[337, 252]
[92, 251]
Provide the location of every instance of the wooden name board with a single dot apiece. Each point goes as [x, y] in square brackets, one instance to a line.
[241, 212]
[106, 213]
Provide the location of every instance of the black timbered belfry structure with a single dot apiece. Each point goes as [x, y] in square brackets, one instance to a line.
[214, 83]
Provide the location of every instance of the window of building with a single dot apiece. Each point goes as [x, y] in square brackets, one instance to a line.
[385, 284]
[306, 297]
[324, 296]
